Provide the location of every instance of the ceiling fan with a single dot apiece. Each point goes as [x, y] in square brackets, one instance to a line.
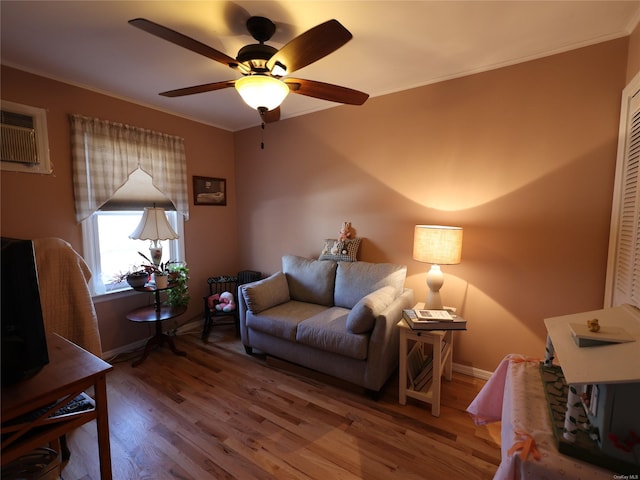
[264, 68]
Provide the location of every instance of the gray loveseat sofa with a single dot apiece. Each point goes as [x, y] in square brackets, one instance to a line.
[339, 318]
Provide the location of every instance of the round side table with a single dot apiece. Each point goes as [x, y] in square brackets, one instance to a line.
[156, 313]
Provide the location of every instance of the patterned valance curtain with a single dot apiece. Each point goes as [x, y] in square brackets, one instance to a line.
[105, 153]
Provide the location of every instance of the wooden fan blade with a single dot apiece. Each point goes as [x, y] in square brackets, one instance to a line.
[312, 45]
[207, 87]
[183, 41]
[270, 116]
[326, 91]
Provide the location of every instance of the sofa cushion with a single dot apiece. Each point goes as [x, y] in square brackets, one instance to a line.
[327, 331]
[362, 316]
[266, 293]
[282, 320]
[310, 280]
[355, 280]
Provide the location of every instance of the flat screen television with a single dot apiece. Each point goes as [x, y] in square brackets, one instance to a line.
[24, 344]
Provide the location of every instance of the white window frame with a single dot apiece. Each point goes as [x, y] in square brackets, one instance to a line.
[91, 248]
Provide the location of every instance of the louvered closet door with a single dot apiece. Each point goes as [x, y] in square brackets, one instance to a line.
[623, 269]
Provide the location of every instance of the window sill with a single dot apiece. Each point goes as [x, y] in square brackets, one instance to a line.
[107, 297]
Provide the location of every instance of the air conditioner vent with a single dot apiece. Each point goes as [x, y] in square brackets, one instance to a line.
[18, 138]
[23, 132]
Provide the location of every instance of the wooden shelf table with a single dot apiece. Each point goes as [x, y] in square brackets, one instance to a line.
[442, 363]
[70, 371]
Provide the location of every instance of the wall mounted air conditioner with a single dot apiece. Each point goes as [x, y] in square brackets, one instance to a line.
[25, 142]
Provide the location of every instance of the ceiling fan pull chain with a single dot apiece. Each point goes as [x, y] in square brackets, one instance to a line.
[262, 136]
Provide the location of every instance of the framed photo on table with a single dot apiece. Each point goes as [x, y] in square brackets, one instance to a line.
[209, 191]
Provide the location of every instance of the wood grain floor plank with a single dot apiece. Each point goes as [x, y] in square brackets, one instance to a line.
[221, 414]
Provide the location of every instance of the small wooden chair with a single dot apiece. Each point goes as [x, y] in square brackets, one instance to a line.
[219, 285]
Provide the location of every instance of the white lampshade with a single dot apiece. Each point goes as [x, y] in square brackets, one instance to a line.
[154, 226]
[437, 245]
[262, 91]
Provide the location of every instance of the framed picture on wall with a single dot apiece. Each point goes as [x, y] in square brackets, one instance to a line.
[209, 191]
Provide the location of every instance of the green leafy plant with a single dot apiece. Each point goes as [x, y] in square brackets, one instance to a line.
[178, 282]
[162, 269]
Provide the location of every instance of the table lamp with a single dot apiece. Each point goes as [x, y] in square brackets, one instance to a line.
[437, 245]
[154, 226]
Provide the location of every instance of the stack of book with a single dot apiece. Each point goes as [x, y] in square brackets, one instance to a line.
[420, 367]
[433, 320]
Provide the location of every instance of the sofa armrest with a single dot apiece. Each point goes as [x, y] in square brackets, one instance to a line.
[384, 344]
[242, 315]
[261, 295]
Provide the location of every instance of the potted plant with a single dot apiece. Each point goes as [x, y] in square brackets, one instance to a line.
[162, 279]
[160, 272]
[179, 289]
[136, 277]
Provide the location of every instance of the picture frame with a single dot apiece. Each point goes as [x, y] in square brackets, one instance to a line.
[209, 191]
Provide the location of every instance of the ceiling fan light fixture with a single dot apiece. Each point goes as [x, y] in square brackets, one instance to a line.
[262, 91]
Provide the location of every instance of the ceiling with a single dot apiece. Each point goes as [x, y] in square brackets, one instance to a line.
[397, 45]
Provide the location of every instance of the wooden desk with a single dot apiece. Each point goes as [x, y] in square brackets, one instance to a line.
[619, 363]
[71, 370]
[607, 375]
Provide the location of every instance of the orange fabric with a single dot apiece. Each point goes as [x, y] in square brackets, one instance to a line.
[526, 444]
[516, 359]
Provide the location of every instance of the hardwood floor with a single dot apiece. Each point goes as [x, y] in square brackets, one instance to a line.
[220, 413]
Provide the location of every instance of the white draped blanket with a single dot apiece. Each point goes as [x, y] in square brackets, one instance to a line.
[67, 307]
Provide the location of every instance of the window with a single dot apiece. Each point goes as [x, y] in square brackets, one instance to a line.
[106, 236]
[117, 171]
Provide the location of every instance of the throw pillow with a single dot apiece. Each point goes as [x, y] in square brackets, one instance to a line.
[340, 251]
[310, 280]
[266, 293]
[362, 316]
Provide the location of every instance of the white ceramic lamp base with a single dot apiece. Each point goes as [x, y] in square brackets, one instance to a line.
[156, 254]
[435, 280]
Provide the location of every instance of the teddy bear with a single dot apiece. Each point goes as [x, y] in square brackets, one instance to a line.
[593, 325]
[226, 302]
[345, 231]
[340, 245]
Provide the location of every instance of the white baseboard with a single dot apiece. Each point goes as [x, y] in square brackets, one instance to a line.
[471, 371]
[130, 347]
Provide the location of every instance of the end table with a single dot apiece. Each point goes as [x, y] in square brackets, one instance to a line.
[156, 313]
[442, 344]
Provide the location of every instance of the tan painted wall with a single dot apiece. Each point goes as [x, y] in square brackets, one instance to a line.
[522, 157]
[42, 205]
[633, 66]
